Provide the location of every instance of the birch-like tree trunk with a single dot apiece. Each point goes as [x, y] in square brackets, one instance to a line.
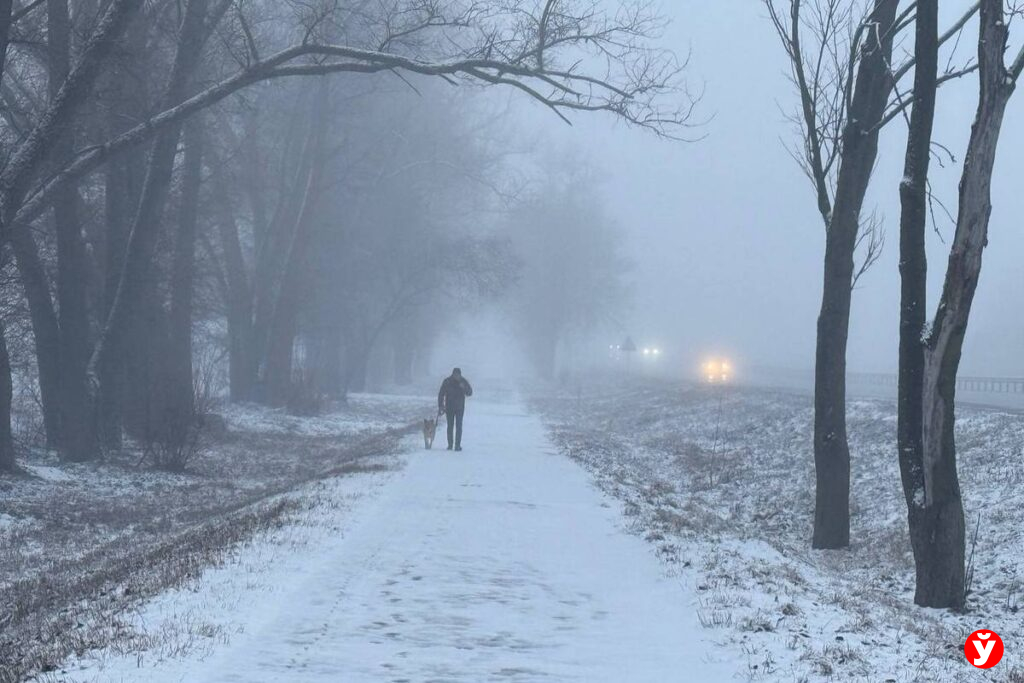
[941, 561]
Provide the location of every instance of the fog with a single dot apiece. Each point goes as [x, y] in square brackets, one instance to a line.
[723, 233]
[344, 218]
[253, 251]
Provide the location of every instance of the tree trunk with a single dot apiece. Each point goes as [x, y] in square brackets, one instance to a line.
[146, 342]
[47, 135]
[242, 358]
[357, 361]
[272, 246]
[283, 323]
[133, 285]
[941, 565]
[924, 523]
[7, 463]
[180, 408]
[831, 448]
[78, 441]
[45, 331]
[860, 150]
[122, 189]
[329, 371]
[120, 194]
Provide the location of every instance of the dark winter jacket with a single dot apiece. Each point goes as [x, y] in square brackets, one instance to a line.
[452, 397]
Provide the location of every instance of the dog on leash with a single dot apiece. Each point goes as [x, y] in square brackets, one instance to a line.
[429, 430]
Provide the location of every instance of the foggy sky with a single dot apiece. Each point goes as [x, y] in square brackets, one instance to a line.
[724, 232]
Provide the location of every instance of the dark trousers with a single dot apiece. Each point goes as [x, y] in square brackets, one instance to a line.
[454, 422]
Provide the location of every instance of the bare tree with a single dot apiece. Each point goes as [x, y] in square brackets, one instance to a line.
[103, 293]
[282, 324]
[50, 138]
[913, 264]
[134, 283]
[572, 282]
[845, 80]
[841, 120]
[24, 162]
[76, 440]
[180, 415]
[930, 356]
[489, 43]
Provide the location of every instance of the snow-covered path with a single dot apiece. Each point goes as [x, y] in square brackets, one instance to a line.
[500, 563]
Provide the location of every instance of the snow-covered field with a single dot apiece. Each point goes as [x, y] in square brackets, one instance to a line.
[365, 413]
[720, 482]
[671, 545]
[78, 542]
[500, 563]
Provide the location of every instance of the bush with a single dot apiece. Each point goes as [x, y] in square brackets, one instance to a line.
[176, 438]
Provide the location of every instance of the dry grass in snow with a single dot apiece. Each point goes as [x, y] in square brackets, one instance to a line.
[721, 482]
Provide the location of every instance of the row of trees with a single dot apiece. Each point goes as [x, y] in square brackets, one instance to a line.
[171, 166]
[573, 280]
[849, 88]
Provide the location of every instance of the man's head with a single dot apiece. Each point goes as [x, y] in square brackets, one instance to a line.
[457, 372]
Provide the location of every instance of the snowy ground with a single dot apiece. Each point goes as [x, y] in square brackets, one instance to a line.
[720, 482]
[80, 542]
[500, 563]
[507, 562]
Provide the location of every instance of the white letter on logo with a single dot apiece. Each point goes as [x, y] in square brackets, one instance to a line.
[984, 650]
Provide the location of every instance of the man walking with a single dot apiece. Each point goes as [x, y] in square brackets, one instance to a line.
[451, 401]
